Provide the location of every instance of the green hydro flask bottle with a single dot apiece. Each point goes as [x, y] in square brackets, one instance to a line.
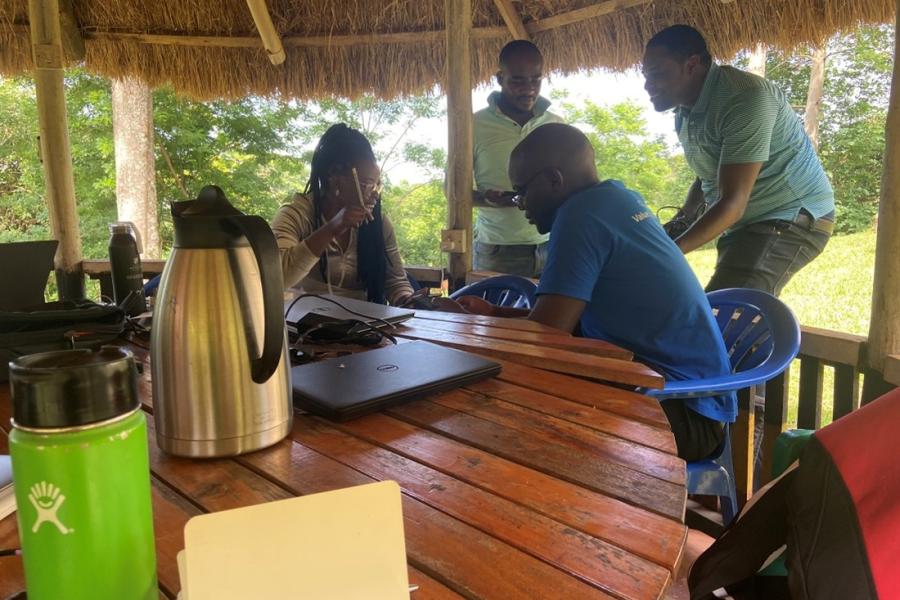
[82, 476]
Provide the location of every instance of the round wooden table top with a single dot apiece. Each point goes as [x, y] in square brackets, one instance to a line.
[535, 484]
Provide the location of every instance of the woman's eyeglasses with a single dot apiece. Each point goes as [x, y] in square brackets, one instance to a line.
[371, 188]
[367, 188]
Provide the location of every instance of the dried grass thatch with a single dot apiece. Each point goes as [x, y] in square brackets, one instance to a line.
[338, 47]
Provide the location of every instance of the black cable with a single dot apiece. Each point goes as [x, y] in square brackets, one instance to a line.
[368, 335]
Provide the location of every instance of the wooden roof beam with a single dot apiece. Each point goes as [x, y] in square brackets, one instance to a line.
[270, 38]
[582, 14]
[403, 37]
[512, 19]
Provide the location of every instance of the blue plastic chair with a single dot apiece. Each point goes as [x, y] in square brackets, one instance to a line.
[502, 290]
[762, 337]
[151, 286]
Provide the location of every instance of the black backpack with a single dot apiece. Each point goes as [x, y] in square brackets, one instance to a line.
[57, 326]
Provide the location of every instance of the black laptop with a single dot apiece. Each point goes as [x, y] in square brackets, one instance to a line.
[344, 388]
[24, 269]
[312, 310]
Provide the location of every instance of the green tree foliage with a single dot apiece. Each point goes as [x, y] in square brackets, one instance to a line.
[22, 213]
[626, 150]
[419, 213]
[249, 148]
[854, 108]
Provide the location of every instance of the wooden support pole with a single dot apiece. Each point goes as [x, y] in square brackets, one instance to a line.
[884, 325]
[458, 237]
[270, 38]
[56, 155]
[512, 19]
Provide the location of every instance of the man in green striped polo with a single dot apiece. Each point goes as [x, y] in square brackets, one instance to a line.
[768, 196]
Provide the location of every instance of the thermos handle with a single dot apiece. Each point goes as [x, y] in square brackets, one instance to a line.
[262, 241]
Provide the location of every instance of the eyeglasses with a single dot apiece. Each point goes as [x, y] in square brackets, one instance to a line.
[371, 188]
[368, 188]
[522, 190]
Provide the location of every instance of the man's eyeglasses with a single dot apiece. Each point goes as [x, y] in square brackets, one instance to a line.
[522, 190]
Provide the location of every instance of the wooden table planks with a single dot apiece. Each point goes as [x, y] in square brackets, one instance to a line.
[571, 362]
[532, 485]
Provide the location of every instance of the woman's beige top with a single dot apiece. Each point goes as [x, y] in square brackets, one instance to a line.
[296, 221]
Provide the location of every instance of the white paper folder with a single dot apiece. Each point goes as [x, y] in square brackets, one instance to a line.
[345, 544]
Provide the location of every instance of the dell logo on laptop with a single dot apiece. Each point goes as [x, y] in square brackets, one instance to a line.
[387, 368]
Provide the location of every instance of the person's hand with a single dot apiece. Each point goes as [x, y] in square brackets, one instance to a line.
[476, 305]
[498, 199]
[448, 305]
[351, 216]
[676, 227]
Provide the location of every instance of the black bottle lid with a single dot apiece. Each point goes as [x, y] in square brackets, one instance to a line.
[72, 388]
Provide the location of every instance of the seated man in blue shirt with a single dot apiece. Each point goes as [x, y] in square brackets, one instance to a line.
[613, 270]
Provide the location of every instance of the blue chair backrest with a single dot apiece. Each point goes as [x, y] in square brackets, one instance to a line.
[761, 334]
[502, 290]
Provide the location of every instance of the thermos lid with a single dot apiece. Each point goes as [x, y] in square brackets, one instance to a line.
[72, 388]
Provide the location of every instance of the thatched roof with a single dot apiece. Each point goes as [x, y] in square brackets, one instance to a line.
[211, 48]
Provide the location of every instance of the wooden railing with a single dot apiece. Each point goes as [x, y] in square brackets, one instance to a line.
[819, 349]
[892, 369]
[99, 270]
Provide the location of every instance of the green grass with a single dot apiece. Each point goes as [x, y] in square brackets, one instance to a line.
[833, 292]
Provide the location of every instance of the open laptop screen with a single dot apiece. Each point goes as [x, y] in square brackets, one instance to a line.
[24, 269]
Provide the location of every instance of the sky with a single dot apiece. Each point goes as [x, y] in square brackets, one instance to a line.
[600, 87]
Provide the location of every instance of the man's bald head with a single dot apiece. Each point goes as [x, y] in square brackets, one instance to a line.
[555, 145]
[553, 162]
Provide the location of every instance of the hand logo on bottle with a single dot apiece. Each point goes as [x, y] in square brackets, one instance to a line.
[46, 499]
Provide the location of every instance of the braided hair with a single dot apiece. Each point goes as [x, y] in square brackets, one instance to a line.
[338, 150]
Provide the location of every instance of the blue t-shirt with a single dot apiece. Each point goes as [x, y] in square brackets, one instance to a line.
[608, 249]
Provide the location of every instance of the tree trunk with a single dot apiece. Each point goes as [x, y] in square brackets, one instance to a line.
[757, 60]
[814, 94]
[884, 326]
[132, 106]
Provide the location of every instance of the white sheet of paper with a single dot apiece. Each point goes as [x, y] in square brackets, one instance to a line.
[345, 544]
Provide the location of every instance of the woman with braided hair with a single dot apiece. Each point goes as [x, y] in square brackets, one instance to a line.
[333, 237]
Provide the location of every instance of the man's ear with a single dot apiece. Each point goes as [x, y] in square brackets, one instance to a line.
[556, 178]
[692, 62]
[499, 78]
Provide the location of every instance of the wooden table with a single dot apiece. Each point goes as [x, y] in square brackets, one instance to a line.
[535, 484]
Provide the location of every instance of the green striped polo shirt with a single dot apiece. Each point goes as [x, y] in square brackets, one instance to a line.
[742, 118]
[495, 135]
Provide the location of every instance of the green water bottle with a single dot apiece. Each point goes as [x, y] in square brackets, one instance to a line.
[82, 476]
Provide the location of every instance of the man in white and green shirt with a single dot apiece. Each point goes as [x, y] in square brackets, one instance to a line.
[769, 197]
[504, 240]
